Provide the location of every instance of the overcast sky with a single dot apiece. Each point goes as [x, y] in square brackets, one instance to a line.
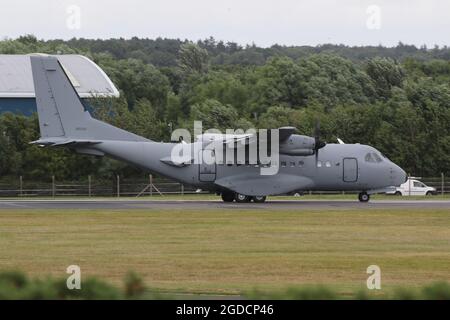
[264, 22]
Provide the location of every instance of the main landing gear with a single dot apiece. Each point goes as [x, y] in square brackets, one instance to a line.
[242, 198]
[228, 196]
[259, 199]
[363, 197]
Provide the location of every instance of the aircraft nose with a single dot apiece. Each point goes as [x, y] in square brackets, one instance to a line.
[400, 175]
[406, 176]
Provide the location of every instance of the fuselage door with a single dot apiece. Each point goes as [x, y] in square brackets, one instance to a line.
[350, 170]
[207, 167]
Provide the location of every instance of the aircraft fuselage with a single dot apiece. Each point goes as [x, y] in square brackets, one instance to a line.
[337, 167]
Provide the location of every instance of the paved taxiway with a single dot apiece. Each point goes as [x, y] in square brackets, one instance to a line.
[217, 204]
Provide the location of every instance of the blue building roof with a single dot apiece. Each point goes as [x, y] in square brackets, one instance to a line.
[88, 78]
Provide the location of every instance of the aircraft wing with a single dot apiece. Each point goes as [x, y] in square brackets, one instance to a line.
[168, 160]
[226, 139]
[230, 140]
[264, 185]
[286, 132]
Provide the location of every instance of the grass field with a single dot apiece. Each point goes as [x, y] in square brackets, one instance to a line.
[232, 251]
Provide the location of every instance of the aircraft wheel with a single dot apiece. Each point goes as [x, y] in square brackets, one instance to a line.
[259, 199]
[227, 196]
[242, 198]
[363, 197]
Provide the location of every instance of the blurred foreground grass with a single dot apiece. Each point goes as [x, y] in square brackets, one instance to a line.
[16, 285]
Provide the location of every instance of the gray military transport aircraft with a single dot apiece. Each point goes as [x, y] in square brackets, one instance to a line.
[64, 122]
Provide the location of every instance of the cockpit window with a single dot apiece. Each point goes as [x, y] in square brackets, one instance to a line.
[377, 157]
[369, 158]
[373, 157]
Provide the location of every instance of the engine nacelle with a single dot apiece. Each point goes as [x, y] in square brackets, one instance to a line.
[298, 145]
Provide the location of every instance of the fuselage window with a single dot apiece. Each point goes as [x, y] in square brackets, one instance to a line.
[301, 163]
[319, 164]
[328, 164]
[292, 163]
[283, 163]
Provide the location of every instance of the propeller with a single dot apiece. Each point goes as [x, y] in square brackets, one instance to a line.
[318, 144]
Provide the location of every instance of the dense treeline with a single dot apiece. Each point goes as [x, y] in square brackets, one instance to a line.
[164, 52]
[396, 99]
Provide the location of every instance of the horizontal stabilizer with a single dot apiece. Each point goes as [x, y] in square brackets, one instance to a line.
[55, 142]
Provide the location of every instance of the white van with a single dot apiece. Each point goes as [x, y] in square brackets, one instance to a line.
[413, 187]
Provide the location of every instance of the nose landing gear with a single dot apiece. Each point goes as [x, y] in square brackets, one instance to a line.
[363, 197]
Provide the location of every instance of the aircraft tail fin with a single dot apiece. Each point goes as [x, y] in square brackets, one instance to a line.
[60, 110]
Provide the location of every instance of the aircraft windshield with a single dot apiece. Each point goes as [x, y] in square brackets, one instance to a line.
[373, 157]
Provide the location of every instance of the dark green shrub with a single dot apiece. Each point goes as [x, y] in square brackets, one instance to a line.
[15, 278]
[15, 285]
[39, 290]
[436, 291]
[295, 293]
[134, 285]
[91, 289]
[405, 294]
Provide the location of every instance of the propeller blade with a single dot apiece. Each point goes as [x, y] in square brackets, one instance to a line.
[318, 144]
[317, 129]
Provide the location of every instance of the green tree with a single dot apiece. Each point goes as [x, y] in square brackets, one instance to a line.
[224, 87]
[192, 58]
[278, 116]
[146, 122]
[386, 74]
[138, 80]
[215, 115]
